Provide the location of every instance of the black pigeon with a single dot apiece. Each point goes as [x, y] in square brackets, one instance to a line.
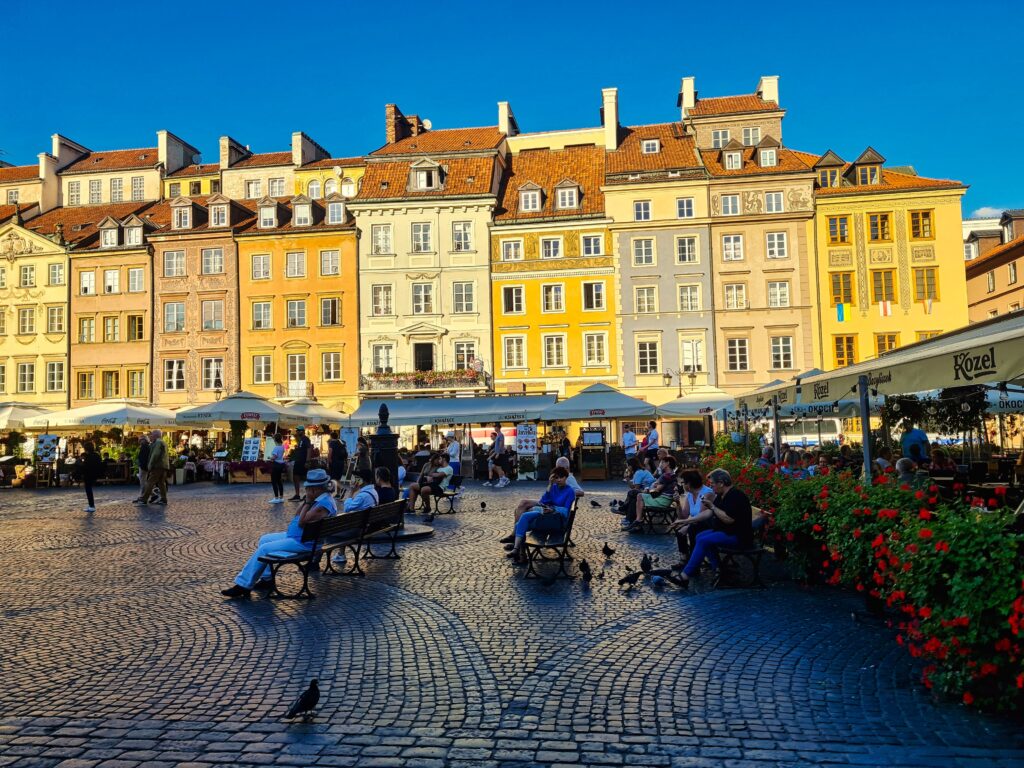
[630, 578]
[594, 503]
[645, 563]
[586, 575]
[613, 503]
[483, 505]
[584, 566]
[606, 550]
[306, 703]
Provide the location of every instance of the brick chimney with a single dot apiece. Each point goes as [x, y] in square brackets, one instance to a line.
[610, 117]
[687, 96]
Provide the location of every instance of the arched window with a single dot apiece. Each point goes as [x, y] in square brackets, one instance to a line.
[330, 187]
[314, 189]
[348, 187]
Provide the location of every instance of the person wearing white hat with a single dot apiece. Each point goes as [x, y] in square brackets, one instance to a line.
[454, 453]
[318, 504]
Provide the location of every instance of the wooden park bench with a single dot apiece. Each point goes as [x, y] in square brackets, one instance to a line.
[751, 554]
[450, 493]
[549, 546]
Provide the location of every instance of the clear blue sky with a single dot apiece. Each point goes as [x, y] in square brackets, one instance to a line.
[935, 85]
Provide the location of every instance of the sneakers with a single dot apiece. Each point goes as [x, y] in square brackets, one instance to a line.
[504, 482]
[235, 592]
[488, 484]
[138, 501]
[90, 509]
[277, 500]
[295, 498]
[626, 524]
[510, 539]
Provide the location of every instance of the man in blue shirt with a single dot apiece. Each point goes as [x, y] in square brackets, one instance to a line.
[552, 510]
[915, 436]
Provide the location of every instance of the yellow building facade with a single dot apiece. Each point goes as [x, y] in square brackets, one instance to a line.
[298, 302]
[890, 264]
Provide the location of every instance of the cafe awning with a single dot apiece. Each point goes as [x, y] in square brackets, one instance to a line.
[446, 411]
[598, 401]
[705, 402]
[13, 415]
[315, 413]
[108, 413]
[241, 406]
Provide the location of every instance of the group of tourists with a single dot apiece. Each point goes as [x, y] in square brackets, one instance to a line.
[645, 449]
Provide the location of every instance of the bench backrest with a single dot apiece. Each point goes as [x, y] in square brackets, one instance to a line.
[384, 515]
[455, 483]
[339, 526]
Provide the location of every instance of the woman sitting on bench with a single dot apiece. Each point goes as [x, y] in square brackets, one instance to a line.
[660, 496]
[550, 513]
[318, 504]
[434, 483]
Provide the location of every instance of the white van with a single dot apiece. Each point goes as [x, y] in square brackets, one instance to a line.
[806, 432]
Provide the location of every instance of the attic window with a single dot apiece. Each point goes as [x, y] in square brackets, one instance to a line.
[301, 215]
[133, 236]
[567, 198]
[427, 178]
[383, 185]
[218, 215]
[182, 217]
[335, 213]
[268, 217]
[650, 146]
[769, 157]
[828, 177]
[108, 237]
[470, 179]
[867, 175]
[733, 161]
[529, 200]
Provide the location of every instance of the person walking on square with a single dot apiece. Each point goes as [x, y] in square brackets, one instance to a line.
[498, 458]
[300, 456]
[159, 466]
[144, 449]
[454, 453]
[92, 468]
[277, 468]
[337, 461]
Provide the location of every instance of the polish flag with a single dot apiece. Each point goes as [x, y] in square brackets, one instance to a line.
[885, 308]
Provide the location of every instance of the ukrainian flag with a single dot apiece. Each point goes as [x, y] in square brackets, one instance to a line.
[840, 312]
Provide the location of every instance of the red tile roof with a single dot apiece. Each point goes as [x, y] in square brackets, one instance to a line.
[446, 140]
[463, 176]
[677, 150]
[264, 160]
[981, 264]
[161, 216]
[114, 160]
[207, 169]
[891, 181]
[80, 221]
[548, 167]
[7, 211]
[18, 173]
[318, 214]
[788, 162]
[330, 162]
[732, 105]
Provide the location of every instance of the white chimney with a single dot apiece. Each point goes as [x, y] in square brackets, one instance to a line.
[610, 117]
[768, 88]
[687, 96]
[506, 120]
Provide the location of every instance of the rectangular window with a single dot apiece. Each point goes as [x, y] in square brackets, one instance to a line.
[878, 225]
[174, 190]
[297, 313]
[381, 300]
[730, 205]
[925, 335]
[647, 357]
[684, 208]
[426, 178]
[735, 296]
[330, 311]
[95, 192]
[136, 384]
[111, 281]
[838, 230]
[828, 177]
[719, 139]
[295, 264]
[649, 146]
[842, 288]
[26, 377]
[465, 354]
[692, 355]
[645, 299]
[261, 316]
[213, 315]
[261, 369]
[87, 330]
[296, 370]
[174, 375]
[26, 321]
[511, 250]
[552, 298]
[643, 252]
[174, 263]
[926, 285]
[515, 352]
[55, 319]
[550, 248]
[3, 378]
[921, 225]
[867, 175]
[261, 266]
[554, 351]
[136, 280]
[737, 355]
[845, 350]
[213, 373]
[463, 299]
[182, 217]
[330, 263]
[642, 210]
[56, 274]
[111, 329]
[462, 236]
[300, 216]
[55, 377]
[423, 298]
[330, 366]
[136, 328]
[213, 261]
[773, 202]
[751, 137]
[782, 352]
[689, 298]
[529, 200]
[885, 342]
[383, 358]
[253, 190]
[566, 198]
[276, 187]
[422, 241]
[174, 317]
[27, 275]
[512, 300]
[593, 296]
[1011, 273]
[733, 161]
[3, 321]
[111, 384]
[75, 193]
[86, 386]
[595, 349]
[778, 294]
[990, 280]
[686, 250]
[769, 158]
[268, 216]
[335, 213]
[218, 216]
[775, 245]
[3, 277]
[12, 196]
[138, 188]
[883, 285]
[593, 245]
[732, 247]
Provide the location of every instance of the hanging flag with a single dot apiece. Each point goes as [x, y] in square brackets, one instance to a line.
[928, 306]
[885, 308]
[840, 312]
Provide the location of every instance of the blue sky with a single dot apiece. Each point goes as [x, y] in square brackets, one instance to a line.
[934, 85]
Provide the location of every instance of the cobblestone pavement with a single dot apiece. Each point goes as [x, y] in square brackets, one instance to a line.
[116, 649]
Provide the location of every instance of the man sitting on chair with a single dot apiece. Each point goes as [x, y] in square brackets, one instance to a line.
[550, 512]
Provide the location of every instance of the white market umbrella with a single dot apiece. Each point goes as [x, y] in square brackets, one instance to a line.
[705, 402]
[598, 401]
[314, 412]
[241, 406]
[13, 415]
[108, 413]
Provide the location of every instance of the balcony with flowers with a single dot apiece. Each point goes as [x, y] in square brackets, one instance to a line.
[460, 380]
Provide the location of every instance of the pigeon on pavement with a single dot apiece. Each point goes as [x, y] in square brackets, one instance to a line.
[594, 503]
[645, 563]
[630, 578]
[584, 566]
[607, 551]
[483, 505]
[306, 703]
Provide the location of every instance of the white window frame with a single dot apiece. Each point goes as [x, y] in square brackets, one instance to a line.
[174, 328]
[558, 346]
[295, 264]
[55, 319]
[268, 216]
[260, 267]
[641, 257]
[687, 249]
[213, 315]
[262, 369]
[463, 353]
[463, 297]
[177, 263]
[136, 280]
[735, 295]
[382, 300]
[647, 367]
[529, 200]
[685, 208]
[95, 191]
[381, 242]
[86, 330]
[74, 193]
[262, 315]
[423, 299]
[302, 215]
[778, 294]
[275, 187]
[730, 205]
[313, 189]
[87, 283]
[518, 294]
[296, 313]
[382, 357]
[27, 276]
[133, 236]
[642, 210]
[694, 361]
[422, 237]
[26, 377]
[732, 248]
[297, 367]
[174, 375]
[55, 376]
[587, 242]
[212, 261]
[108, 237]
[719, 138]
[56, 274]
[111, 281]
[566, 198]
[768, 158]
[511, 250]
[751, 136]
[212, 369]
[737, 354]
[598, 292]
[138, 188]
[253, 189]
[513, 352]
[26, 320]
[330, 263]
[182, 217]
[330, 366]
[781, 347]
[462, 236]
[691, 302]
[776, 245]
[555, 292]
[649, 146]
[601, 337]
[650, 303]
[111, 328]
[551, 248]
[335, 213]
[332, 305]
[734, 161]
[773, 202]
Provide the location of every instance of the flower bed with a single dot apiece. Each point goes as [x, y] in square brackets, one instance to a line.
[951, 570]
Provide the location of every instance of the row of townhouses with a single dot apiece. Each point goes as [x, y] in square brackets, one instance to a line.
[702, 251]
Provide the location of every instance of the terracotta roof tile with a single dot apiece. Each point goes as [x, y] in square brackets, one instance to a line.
[982, 262]
[264, 160]
[891, 181]
[788, 162]
[80, 221]
[208, 169]
[677, 150]
[731, 105]
[7, 211]
[330, 162]
[446, 140]
[318, 215]
[160, 215]
[546, 168]
[19, 173]
[463, 176]
[114, 160]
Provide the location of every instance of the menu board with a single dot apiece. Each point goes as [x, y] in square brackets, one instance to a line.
[526, 439]
[46, 448]
[251, 449]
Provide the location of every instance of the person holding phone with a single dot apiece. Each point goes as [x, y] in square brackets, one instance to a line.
[729, 514]
[551, 512]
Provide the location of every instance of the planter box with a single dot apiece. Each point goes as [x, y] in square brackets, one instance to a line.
[239, 475]
[261, 475]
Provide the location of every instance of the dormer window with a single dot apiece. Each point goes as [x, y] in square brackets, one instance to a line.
[301, 215]
[133, 236]
[182, 217]
[769, 157]
[733, 161]
[108, 237]
[751, 136]
[335, 213]
[567, 197]
[867, 175]
[268, 216]
[828, 177]
[650, 146]
[218, 215]
[427, 178]
[529, 200]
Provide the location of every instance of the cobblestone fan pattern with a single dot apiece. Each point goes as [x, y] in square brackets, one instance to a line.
[116, 649]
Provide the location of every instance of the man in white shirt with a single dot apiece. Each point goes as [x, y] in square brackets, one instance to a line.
[651, 444]
[629, 442]
[454, 453]
[498, 458]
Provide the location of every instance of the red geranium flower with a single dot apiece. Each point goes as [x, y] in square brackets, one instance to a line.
[925, 533]
[924, 514]
[968, 698]
[942, 546]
